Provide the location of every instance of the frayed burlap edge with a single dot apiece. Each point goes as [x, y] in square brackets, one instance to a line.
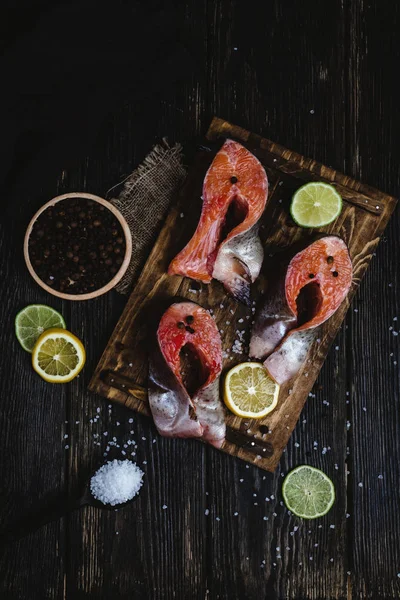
[144, 202]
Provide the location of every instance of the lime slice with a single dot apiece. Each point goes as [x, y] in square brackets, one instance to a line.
[249, 391]
[32, 320]
[315, 204]
[308, 492]
[58, 356]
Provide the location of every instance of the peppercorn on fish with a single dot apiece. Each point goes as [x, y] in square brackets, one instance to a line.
[225, 245]
[316, 282]
[184, 406]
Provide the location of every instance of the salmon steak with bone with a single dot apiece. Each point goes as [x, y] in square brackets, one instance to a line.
[315, 283]
[226, 245]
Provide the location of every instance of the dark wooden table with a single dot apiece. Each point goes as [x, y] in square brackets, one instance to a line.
[317, 77]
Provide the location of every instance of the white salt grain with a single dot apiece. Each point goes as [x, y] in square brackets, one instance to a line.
[116, 482]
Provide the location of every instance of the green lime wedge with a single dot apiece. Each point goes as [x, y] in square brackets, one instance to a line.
[308, 492]
[315, 204]
[32, 320]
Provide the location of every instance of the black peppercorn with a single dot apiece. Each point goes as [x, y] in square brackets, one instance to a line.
[86, 256]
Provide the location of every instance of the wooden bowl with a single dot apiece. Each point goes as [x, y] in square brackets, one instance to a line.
[117, 277]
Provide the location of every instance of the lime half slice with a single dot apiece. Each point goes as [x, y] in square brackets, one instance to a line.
[32, 321]
[308, 492]
[315, 204]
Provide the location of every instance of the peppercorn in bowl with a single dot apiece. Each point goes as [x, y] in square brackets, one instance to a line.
[77, 246]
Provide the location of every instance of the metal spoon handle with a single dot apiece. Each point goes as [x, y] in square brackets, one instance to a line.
[34, 521]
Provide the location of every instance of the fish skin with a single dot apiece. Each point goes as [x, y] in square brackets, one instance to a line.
[169, 402]
[211, 414]
[175, 413]
[273, 320]
[238, 263]
[277, 338]
[289, 356]
[235, 261]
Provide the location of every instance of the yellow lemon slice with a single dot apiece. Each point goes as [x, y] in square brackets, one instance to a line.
[249, 391]
[58, 356]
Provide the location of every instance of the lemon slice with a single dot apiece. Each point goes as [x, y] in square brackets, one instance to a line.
[249, 391]
[58, 356]
[315, 204]
[308, 492]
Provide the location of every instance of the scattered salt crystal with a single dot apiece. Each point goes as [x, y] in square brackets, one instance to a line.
[332, 526]
[116, 482]
[347, 515]
[360, 484]
[265, 518]
[217, 519]
[164, 506]
[235, 514]
[312, 111]
[206, 512]
[181, 215]
[65, 436]
[380, 476]
[297, 445]
[66, 447]
[77, 422]
[98, 409]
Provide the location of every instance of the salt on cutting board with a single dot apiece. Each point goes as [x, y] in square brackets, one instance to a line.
[121, 374]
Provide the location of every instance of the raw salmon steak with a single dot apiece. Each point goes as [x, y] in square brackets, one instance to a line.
[316, 282]
[225, 245]
[184, 372]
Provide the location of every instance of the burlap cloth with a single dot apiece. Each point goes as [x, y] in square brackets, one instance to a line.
[144, 201]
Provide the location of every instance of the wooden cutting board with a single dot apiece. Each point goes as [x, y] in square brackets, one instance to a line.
[121, 374]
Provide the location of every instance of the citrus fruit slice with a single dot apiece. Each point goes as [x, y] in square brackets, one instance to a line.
[308, 492]
[32, 320]
[315, 204]
[58, 356]
[249, 391]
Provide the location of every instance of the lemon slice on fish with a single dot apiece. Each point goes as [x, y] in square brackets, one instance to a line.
[249, 391]
[58, 356]
[315, 204]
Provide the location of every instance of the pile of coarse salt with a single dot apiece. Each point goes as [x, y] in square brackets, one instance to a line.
[116, 482]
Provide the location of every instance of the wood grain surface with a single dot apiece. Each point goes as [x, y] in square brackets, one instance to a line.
[121, 374]
[319, 78]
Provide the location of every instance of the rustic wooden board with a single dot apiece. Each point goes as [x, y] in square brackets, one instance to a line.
[122, 371]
